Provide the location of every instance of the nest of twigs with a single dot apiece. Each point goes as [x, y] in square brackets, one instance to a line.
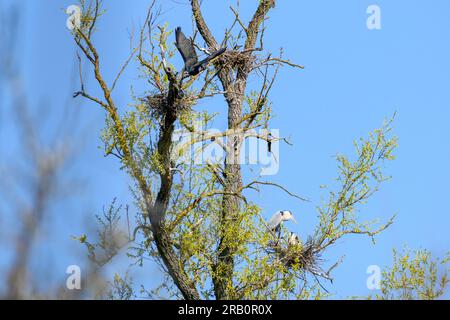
[158, 104]
[237, 59]
[302, 257]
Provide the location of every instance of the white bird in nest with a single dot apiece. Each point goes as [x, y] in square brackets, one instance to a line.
[293, 239]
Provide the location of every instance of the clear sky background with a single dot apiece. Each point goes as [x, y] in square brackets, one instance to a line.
[354, 78]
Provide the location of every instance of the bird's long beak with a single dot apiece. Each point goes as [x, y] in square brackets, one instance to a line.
[293, 219]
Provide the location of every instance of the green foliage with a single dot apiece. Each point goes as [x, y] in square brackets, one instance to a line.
[110, 238]
[264, 266]
[414, 275]
[89, 14]
[260, 271]
[357, 182]
[257, 104]
[121, 288]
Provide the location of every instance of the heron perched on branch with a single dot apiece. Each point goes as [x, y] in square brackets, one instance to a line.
[187, 50]
[278, 218]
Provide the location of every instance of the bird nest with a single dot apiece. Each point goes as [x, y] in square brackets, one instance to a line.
[236, 59]
[302, 257]
[158, 104]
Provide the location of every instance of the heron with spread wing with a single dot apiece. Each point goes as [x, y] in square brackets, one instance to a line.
[187, 50]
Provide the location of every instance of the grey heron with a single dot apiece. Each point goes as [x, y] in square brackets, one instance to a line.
[278, 218]
[187, 50]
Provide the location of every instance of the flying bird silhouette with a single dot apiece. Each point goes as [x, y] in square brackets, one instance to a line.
[187, 50]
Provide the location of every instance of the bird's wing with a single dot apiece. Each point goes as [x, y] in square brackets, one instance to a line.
[274, 221]
[185, 47]
[212, 56]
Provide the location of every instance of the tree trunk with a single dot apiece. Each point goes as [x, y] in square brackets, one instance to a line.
[231, 203]
[157, 212]
[234, 94]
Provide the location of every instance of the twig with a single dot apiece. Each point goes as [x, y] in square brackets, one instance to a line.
[124, 66]
[267, 183]
[238, 19]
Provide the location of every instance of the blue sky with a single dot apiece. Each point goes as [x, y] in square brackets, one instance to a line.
[353, 79]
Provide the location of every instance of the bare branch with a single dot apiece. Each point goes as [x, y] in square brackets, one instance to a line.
[202, 26]
[267, 183]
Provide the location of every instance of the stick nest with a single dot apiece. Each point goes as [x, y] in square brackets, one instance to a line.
[236, 59]
[159, 106]
[304, 257]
